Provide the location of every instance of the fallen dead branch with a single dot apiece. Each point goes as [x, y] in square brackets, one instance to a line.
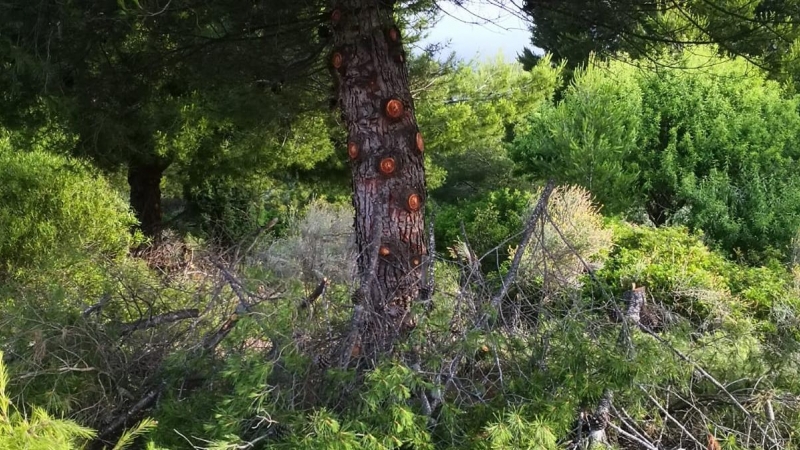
[508, 280]
[318, 292]
[154, 321]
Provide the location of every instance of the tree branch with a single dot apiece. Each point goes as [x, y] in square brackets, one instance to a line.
[154, 321]
[710, 378]
[212, 340]
[145, 402]
[638, 440]
[526, 237]
[318, 292]
[97, 306]
[669, 416]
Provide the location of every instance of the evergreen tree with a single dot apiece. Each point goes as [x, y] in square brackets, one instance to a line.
[386, 151]
[766, 32]
[144, 85]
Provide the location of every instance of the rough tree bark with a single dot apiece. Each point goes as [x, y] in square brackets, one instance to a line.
[386, 153]
[144, 179]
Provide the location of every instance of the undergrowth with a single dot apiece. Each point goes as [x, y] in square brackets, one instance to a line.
[230, 350]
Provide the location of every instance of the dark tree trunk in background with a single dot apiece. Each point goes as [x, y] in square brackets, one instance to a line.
[144, 179]
[386, 153]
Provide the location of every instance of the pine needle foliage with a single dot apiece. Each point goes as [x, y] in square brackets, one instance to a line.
[38, 430]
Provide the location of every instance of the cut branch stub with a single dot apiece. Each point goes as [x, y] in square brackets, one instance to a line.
[387, 166]
[414, 202]
[420, 142]
[395, 47]
[337, 60]
[393, 34]
[352, 150]
[416, 261]
[384, 251]
[394, 109]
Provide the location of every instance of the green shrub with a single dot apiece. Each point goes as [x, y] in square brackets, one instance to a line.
[494, 225]
[53, 209]
[760, 288]
[590, 137]
[468, 115]
[674, 265]
[713, 149]
[228, 209]
[490, 222]
[39, 431]
[719, 153]
[680, 271]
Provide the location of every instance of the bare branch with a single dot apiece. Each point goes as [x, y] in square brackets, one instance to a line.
[147, 400]
[669, 416]
[154, 321]
[638, 440]
[318, 292]
[97, 306]
[710, 378]
[526, 237]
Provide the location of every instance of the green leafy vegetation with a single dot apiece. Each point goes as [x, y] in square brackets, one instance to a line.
[53, 210]
[693, 139]
[590, 137]
[40, 431]
[647, 298]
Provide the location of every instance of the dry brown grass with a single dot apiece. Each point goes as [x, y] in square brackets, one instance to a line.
[573, 213]
[321, 244]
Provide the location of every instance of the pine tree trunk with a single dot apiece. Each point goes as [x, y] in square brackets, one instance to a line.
[386, 153]
[144, 179]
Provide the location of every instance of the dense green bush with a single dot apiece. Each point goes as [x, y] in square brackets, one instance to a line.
[680, 271]
[590, 137]
[702, 141]
[228, 210]
[490, 222]
[719, 153]
[53, 209]
[674, 265]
